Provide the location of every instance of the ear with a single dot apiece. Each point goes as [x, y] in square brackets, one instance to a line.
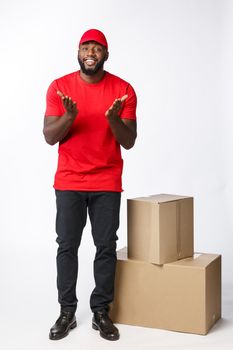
[106, 56]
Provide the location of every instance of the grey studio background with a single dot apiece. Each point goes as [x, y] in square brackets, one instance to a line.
[178, 55]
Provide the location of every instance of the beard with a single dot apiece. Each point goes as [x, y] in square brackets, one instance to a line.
[91, 71]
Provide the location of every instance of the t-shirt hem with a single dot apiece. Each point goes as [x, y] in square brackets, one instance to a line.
[86, 189]
[128, 117]
[53, 115]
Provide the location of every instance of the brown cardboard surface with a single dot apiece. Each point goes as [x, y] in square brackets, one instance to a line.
[162, 198]
[181, 296]
[160, 228]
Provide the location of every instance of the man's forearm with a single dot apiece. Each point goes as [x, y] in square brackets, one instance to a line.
[56, 130]
[123, 134]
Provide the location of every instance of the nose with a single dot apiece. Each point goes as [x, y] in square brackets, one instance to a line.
[90, 51]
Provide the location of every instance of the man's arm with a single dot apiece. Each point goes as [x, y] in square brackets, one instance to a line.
[124, 130]
[56, 128]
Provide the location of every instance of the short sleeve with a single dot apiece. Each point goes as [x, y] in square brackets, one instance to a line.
[130, 104]
[53, 101]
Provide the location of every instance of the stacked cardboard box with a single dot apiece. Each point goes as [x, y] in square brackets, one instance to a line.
[160, 228]
[161, 283]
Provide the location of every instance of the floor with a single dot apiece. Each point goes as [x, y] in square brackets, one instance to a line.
[26, 333]
[26, 327]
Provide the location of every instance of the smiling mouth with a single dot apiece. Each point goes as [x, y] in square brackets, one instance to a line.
[90, 62]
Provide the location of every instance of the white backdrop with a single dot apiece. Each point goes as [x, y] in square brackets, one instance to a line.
[178, 55]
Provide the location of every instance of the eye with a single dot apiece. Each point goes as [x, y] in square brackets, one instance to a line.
[84, 48]
[98, 49]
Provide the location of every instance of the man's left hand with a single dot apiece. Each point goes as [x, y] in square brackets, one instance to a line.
[112, 112]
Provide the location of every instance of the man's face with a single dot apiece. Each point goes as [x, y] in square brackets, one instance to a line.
[91, 57]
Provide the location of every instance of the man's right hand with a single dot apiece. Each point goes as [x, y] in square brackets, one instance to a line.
[56, 128]
[70, 106]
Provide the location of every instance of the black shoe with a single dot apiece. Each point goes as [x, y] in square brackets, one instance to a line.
[102, 322]
[63, 325]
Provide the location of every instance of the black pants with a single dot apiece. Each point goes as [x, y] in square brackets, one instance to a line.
[103, 209]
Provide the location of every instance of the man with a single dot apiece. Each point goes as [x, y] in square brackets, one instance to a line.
[91, 113]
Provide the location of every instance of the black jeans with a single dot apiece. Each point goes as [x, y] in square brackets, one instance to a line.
[103, 209]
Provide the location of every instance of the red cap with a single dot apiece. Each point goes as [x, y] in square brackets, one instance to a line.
[94, 35]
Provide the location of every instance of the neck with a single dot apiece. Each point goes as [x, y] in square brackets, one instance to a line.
[92, 79]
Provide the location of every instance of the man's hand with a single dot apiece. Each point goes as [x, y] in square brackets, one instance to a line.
[124, 130]
[112, 112]
[70, 106]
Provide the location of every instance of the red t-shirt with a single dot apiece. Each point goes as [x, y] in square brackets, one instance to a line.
[89, 156]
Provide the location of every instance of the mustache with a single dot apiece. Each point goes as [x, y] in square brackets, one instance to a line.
[90, 58]
[91, 71]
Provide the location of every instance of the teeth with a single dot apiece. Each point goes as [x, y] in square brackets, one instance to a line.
[90, 62]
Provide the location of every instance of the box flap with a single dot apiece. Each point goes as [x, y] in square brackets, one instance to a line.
[201, 260]
[161, 198]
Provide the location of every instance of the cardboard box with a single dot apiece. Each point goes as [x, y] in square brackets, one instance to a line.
[182, 296]
[160, 228]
